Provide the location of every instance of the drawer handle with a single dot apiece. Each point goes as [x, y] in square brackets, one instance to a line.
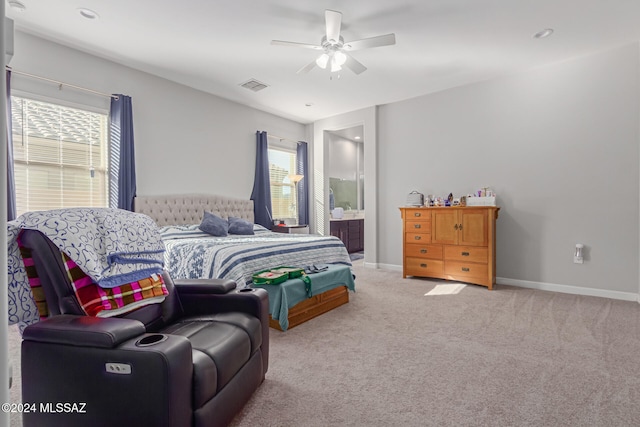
[423, 251]
[465, 269]
[417, 225]
[423, 265]
[418, 237]
[465, 253]
[455, 226]
[417, 214]
[460, 227]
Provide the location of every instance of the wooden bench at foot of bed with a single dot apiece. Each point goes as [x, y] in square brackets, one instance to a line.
[294, 302]
[313, 307]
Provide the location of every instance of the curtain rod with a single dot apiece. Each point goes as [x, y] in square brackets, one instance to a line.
[22, 73]
[281, 138]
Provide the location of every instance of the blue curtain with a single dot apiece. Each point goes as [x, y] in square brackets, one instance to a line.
[261, 194]
[122, 155]
[11, 184]
[302, 168]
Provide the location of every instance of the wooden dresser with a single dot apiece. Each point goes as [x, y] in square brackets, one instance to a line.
[453, 243]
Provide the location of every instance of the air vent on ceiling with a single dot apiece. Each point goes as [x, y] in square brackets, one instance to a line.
[254, 85]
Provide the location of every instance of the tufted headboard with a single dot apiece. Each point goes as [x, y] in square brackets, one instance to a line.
[189, 208]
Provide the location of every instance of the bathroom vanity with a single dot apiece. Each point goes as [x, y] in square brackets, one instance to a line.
[350, 231]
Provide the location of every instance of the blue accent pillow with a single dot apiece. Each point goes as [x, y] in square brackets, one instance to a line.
[240, 226]
[214, 225]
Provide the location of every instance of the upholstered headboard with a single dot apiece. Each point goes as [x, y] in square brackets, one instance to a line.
[189, 208]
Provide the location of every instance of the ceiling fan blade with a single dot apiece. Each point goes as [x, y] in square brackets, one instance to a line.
[354, 65]
[294, 44]
[386, 40]
[333, 21]
[307, 68]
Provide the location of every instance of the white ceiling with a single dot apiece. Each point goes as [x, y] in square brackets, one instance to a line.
[216, 45]
[354, 134]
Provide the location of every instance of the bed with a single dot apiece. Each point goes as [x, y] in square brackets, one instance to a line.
[191, 253]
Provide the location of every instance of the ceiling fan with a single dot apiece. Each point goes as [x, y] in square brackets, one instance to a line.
[335, 52]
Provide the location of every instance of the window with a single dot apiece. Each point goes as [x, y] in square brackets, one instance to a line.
[282, 163]
[60, 156]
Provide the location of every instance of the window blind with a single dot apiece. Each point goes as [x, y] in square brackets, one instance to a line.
[282, 163]
[60, 156]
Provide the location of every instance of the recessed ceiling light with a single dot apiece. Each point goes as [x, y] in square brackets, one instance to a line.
[88, 13]
[356, 137]
[544, 33]
[16, 5]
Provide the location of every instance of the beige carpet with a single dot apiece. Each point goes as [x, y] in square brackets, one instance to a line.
[507, 357]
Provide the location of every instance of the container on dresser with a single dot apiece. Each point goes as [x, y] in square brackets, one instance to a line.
[453, 243]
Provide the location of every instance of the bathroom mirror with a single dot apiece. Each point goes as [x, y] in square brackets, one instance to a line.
[345, 193]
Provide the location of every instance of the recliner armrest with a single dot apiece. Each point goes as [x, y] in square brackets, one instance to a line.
[201, 301]
[84, 331]
[204, 286]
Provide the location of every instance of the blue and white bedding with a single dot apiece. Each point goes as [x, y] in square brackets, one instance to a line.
[192, 254]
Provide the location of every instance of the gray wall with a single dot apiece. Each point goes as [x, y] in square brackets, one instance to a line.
[186, 140]
[558, 144]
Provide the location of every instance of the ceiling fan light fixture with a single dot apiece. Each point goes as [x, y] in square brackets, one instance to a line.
[335, 66]
[322, 61]
[340, 58]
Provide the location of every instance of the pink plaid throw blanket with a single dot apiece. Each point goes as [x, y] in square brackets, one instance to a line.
[95, 300]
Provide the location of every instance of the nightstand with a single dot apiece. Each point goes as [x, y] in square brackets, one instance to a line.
[291, 229]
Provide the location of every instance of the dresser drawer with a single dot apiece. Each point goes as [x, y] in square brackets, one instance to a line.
[423, 267]
[418, 226]
[466, 254]
[423, 251]
[413, 214]
[465, 269]
[418, 238]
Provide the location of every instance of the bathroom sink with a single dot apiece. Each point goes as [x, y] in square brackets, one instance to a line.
[353, 215]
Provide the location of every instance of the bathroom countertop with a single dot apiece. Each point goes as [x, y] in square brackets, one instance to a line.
[346, 219]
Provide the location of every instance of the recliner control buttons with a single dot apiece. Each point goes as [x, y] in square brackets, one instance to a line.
[118, 368]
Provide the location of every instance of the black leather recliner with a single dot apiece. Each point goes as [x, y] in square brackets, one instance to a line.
[193, 360]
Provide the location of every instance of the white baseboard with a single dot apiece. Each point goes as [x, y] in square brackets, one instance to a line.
[566, 289]
[389, 267]
[569, 289]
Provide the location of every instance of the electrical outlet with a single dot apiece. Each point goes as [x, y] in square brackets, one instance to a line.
[577, 255]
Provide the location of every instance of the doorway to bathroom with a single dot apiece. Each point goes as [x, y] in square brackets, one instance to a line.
[346, 188]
